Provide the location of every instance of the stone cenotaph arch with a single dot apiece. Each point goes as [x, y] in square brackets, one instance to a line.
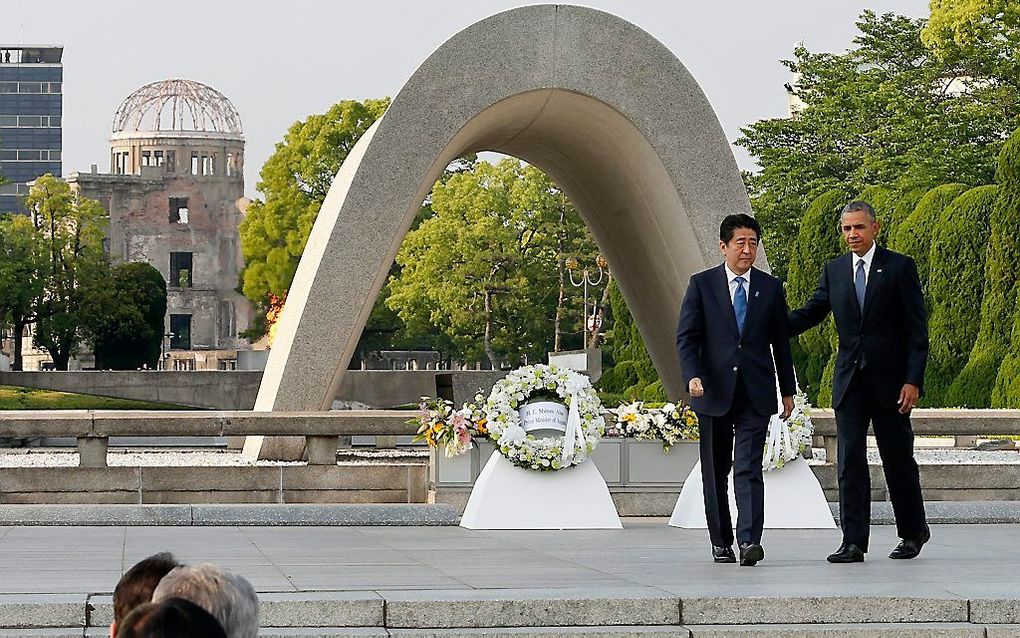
[597, 103]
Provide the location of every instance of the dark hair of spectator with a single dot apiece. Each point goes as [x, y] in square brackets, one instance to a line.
[731, 223]
[172, 618]
[137, 584]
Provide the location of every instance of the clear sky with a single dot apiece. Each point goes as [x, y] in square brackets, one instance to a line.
[281, 61]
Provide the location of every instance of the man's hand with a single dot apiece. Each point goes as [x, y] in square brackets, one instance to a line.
[695, 388]
[909, 394]
[787, 407]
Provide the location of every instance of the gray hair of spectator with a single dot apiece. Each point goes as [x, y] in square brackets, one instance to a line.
[858, 205]
[227, 596]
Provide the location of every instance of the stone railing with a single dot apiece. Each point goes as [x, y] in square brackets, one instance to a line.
[931, 422]
[93, 428]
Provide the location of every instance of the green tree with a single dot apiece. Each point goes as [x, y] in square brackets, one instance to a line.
[888, 112]
[482, 270]
[71, 234]
[295, 181]
[980, 38]
[818, 242]
[126, 318]
[973, 388]
[914, 235]
[956, 280]
[21, 276]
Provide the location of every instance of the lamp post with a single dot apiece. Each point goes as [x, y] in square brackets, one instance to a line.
[164, 349]
[587, 279]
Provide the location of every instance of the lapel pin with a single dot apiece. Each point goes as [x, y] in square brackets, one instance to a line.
[879, 270]
[755, 293]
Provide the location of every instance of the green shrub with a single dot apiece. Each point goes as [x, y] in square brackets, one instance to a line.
[654, 393]
[973, 387]
[619, 377]
[955, 283]
[1001, 276]
[900, 208]
[914, 235]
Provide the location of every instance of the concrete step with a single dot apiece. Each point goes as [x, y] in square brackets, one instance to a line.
[636, 611]
[341, 514]
[901, 630]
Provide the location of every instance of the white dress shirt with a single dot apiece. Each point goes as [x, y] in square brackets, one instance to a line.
[867, 259]
[731, 278]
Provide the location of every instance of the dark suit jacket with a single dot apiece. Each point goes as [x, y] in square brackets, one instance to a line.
[890, 332]
[711, 348]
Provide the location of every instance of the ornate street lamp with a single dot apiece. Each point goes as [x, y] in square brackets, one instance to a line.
[587, 279]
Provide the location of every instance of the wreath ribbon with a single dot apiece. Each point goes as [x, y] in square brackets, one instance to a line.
[574, 435]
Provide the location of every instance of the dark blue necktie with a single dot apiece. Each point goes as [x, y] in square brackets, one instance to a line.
[740, 304]
[861, 284]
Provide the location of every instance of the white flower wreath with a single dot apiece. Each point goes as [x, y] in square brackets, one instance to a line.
[786, 440]
[551, 452]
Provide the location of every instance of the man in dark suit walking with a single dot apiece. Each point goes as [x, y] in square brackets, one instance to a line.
[732, 323]
[875, 296]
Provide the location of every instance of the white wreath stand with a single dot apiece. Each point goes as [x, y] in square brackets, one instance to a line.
[509, 497]
[793, 500]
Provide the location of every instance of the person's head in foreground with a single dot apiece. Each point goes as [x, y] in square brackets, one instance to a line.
[171, 618]
[228, 597]
[135, 587]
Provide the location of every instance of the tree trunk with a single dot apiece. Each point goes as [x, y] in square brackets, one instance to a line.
[488, 331]
[19, 329]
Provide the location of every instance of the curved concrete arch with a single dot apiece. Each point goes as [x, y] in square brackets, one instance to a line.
[596, 102]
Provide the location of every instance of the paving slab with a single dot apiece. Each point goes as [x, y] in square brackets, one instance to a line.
[434, 577]
[321, 609]
[829, 609]
[41, 610]
[876, 630]
[667, 631]
[535, 607]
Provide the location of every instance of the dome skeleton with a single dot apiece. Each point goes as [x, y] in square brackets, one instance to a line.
[209, 110]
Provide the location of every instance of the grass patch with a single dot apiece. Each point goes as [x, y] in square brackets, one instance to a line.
[16, 398]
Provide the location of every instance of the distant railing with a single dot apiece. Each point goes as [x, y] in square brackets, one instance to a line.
[931, 422]
[93, 428]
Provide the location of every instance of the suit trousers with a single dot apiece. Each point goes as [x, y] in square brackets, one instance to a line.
[895, 440]
[718, 454]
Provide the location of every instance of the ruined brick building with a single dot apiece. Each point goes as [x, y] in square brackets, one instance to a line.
[174, 194]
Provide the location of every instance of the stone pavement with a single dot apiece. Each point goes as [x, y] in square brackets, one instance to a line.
[423, 579]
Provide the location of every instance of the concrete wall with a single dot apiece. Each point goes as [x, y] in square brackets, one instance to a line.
[236, 390]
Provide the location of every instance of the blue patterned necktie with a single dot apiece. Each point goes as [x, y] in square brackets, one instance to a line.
[740, 304]
[861, 284]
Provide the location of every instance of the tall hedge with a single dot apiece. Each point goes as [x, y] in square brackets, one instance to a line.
[1006, 392]
[973, 387]
[914, 235]
[899, 209]
[955, 283]
[817, 242]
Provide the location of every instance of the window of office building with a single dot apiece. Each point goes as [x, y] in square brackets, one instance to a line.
[180, 270]
[179, 210]
[180, 332]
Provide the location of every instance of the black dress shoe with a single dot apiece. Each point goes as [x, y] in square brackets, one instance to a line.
[751, 553]
[723, 554]
[847, 553]
[911, 547]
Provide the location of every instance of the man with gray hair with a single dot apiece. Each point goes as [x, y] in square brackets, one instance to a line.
[227, 596]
